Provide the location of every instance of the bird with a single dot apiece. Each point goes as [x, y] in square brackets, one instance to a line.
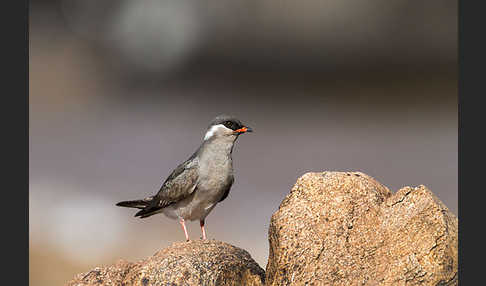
[197, 185]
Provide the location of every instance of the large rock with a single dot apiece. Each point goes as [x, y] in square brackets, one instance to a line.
[200, 262]
[111, 275]
[345, 228]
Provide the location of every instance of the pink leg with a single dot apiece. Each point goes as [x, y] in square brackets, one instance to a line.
[201, 223]
[184, 228]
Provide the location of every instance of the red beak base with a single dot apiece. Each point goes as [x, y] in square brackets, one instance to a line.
[244, 130]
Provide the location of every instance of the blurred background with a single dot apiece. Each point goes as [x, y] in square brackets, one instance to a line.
[122, 91]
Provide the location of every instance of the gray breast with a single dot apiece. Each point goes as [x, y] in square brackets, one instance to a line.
[215, 174]
[215, 169]
[216, 165]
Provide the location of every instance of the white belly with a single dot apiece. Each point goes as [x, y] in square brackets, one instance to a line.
[195, 207]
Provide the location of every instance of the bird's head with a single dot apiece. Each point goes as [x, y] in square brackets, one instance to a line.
[226, 126]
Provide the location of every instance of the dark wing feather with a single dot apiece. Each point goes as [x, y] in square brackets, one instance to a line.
[181, 183]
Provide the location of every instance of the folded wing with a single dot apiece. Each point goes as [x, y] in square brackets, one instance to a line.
[181, 183]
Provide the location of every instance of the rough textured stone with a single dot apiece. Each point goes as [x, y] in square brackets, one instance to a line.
[345, 228]
[200, 262]
[111, 275]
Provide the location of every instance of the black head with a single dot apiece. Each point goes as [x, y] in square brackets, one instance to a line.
[230, 122]
[226, 125]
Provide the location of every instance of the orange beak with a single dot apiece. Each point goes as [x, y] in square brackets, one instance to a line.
[244, 129]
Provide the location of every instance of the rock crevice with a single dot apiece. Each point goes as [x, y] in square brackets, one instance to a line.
[351, 230]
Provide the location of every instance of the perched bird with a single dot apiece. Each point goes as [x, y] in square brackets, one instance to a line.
[194, 188]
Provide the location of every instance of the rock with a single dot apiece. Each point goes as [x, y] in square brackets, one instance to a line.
[112, 275]
[345, 228]
[199, 262]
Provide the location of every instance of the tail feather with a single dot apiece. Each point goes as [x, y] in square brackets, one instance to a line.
[139, 204]
[147, 206]
[148, 211]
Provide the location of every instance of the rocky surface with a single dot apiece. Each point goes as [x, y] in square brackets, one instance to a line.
[111, 275]
[333, 228]
[200, 262]
[345, 228]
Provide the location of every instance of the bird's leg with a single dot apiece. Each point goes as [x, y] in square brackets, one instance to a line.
[184, 228]
[201, 223]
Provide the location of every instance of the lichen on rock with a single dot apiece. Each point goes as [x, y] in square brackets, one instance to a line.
[345, 228]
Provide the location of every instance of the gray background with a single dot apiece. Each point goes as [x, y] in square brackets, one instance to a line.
[122, 91]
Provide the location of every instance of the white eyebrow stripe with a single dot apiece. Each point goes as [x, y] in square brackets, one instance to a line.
[213, 130]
